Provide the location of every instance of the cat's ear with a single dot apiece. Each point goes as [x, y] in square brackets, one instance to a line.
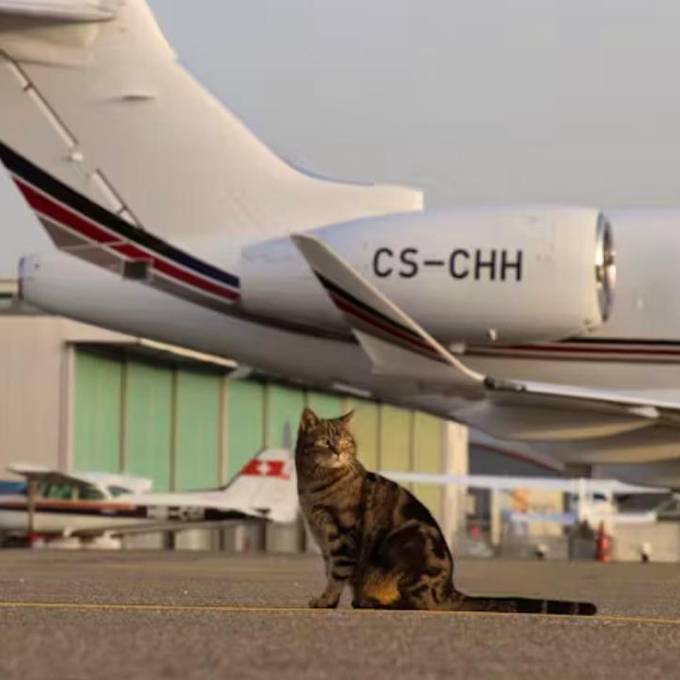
[347, 418]
[309, 419]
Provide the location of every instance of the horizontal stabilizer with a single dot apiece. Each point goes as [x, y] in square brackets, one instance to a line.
[512, 483]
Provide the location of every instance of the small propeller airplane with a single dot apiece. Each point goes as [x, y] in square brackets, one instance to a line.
[98, 509]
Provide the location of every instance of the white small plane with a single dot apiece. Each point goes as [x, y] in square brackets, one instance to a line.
[97, 509]
[590, 499]
[174, 222]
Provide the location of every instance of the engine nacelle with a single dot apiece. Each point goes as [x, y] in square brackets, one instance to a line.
[471, 276]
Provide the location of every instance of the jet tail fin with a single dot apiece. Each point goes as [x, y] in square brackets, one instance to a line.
[93, 95]
[265, 486]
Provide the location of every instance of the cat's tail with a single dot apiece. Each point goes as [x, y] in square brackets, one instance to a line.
[520, 605]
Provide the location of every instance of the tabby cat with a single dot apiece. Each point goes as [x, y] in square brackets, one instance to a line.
[377, 537]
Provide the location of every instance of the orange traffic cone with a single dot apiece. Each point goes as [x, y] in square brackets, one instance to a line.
[603, 545]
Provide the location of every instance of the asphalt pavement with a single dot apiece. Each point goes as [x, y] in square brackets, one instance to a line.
[76, 615]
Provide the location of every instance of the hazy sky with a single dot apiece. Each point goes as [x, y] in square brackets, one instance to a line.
[484, 101]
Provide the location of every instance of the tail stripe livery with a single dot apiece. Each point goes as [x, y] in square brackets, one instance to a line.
[374, 321]
[77, 224]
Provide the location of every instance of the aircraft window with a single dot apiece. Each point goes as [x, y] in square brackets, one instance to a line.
[69, 492]
[90, 493]
[61, 492]
[118, 490]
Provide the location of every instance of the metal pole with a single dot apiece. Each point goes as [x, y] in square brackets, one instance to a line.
[31, 489]
[582, 499]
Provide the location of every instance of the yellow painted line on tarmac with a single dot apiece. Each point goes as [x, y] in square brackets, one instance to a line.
[117, 606]
[255, 609]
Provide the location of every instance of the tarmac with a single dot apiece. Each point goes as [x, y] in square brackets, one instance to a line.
[148, 615]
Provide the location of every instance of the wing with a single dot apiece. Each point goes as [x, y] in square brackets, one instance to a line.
[512, 409]
[509, 483]
[39, 473]
[162, 527]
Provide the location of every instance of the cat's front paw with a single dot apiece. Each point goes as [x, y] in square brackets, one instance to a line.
[323, 602]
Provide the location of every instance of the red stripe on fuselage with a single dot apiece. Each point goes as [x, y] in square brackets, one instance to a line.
[42, 204]
[73, 220]
[571, 349]
[346, 306]
[134, 252]
[46, 504]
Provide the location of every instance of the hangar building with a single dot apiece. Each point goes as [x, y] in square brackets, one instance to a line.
[74, 396]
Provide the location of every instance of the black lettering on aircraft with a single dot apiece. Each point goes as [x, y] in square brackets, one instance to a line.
[457, 263]
[407, 258]
[506, 264]
[382, 272]
[483, 264]
[186, 513]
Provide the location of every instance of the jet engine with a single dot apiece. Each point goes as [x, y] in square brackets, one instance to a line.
[470, 276]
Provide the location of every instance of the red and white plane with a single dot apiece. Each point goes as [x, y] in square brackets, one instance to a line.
[97, 509]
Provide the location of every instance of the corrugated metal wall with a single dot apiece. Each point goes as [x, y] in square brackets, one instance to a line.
[246, 422]
[97, 429]
[198, 430]
[147, 422]
[191, 429]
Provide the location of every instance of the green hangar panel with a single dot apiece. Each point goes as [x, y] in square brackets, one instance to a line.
[148, 418]
[325, 405]
[366, 429]
[245, 429]
[284, 405]
[197, 430]
[428, 440]
[96, 431]
[395, 439]
[187, 426]
[148, 422]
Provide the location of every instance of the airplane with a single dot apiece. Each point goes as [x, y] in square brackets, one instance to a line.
[591, 499]
[85, 509]
[174, 222]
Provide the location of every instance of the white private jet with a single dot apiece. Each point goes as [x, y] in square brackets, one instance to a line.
[174, 223]
[95, 509]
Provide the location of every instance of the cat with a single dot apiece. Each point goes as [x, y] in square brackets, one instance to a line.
[378, 538]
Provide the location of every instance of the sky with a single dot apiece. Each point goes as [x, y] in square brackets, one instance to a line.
[491, 101]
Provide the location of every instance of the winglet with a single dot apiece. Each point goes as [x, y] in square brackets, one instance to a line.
[375, 320]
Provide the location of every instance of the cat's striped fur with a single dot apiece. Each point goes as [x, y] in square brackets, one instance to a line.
[377, 537]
